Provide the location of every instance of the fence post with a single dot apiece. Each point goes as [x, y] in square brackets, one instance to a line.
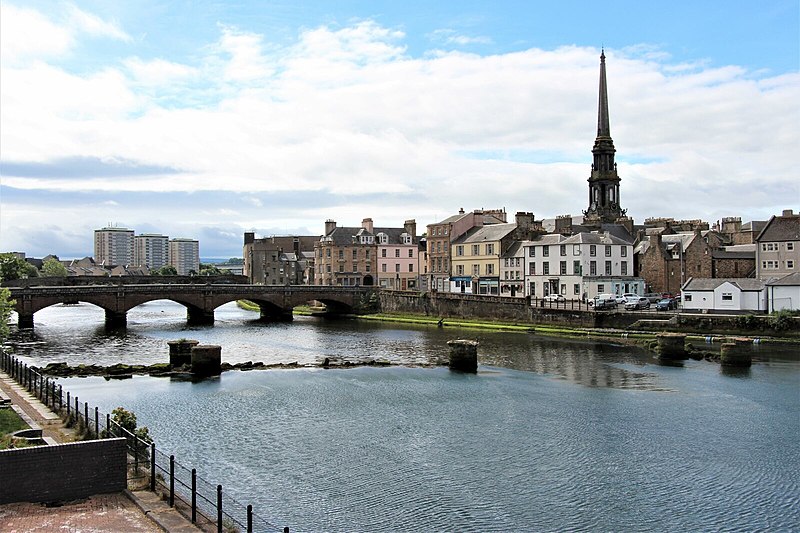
[77, 411]
[108, 426]
[249, 519]
[68, 405]
[86, 416]
[152, 466]
[194, 495]
[96, 424]
[135, 454]
[172, 481]
[45, 388]
[60, 397]
[219, 508]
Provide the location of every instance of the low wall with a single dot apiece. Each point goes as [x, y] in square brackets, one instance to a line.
[126, 280]
[63, 472]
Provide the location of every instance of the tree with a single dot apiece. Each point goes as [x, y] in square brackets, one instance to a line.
[12, 267]
[235, 261]
[207, 269]
[6, 307]
[127, 420]
[166, 270]
[53, 268]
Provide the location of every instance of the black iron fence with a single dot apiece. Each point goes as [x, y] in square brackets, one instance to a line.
[201, 501]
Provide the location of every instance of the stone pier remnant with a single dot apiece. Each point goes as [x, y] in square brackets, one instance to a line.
[671, 346]
[180, 352]
[463, 355]
[206, 360]
[736, 353]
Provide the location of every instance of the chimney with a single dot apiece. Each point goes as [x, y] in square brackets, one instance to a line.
[367, 224]
[249, 237]
[564, 224]
[410, 227]
[788, 212]
[330, 225]
[461, 211]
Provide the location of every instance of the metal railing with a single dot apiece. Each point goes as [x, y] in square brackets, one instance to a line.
[202, 502]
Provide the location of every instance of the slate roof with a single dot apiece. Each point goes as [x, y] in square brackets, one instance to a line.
[790, 280]
[595, 238]
[492, 232]
[346, 236]
[709, 284]
[514, 250]
[781, 228]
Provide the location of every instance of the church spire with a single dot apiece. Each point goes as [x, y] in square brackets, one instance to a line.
[604, 205]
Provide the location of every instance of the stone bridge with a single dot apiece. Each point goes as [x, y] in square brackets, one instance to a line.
[200, 300]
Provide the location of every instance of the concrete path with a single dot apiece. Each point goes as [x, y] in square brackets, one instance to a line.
[139, 511]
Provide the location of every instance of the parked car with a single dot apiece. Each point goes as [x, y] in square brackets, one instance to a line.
[654, 297]
[620, 298]
[604, 301]
[666, 304]
[555, 297]
[629, 296]
[640, 302]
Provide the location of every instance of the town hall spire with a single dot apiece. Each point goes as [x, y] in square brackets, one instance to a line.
[604, 205]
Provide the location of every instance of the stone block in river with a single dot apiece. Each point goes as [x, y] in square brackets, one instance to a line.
[671, 346]
[736, 353]
[180, 352]
[206, 360]
[463, 355]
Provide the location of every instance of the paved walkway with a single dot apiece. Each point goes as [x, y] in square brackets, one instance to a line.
[139, 511]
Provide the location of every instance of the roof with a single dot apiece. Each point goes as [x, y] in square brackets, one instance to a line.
[790, 280]
[709, 284]
[754, 225]
[343, 236]
[781, 228]
[492, 232]
[514, 249]
[733, 254]
[552, 238]
[595, 238]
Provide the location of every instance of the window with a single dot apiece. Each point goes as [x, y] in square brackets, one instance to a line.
[397, 267]
[624, 251]
[476, 249]
[545, 268]
[411, 267]
[563, 268]
[460, 270]
[476, 270]
[592, 250]
[341, 268]
[405, 238]
[459, 250]
[533, 288]
[531, 269]
[439, 247]
[593, 268]
[328, 252]
[687, 297]
[789, 246]
[562, 249]
[367, 254]
[576, 289]
[601, 288]
[341, 255]
[355, 254]
[489, 269]
[489, 249]
[624, 266]
[545, 251]
[410, 252]
[445, 230]
[576, 249]
[383, 238]
[608, 268]
[397, 252]
[608, 251]
[532, 251]
[383, 252]
[727, 297]
[576, 268]
[790, 264]
[383, 267]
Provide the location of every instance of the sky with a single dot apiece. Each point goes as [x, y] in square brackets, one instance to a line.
[207, 119]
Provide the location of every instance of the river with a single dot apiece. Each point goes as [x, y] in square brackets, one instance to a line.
[549, 435]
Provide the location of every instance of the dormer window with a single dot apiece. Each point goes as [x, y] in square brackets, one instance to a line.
[367, 239]
[383, 238]
[405, 238]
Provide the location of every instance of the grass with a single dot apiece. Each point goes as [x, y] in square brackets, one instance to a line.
[10, 422]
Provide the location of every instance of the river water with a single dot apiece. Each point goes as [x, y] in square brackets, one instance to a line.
[549, 435]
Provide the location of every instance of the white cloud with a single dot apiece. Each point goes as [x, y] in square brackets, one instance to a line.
[346, 112]
[94, 25]
[26, 33]
[448, 36]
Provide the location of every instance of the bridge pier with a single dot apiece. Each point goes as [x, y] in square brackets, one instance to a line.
[199, 317]
[272, 314]
[24, 320]
[116, 319]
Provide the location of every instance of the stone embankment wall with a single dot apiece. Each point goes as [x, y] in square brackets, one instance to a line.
[520, 310]
[63, 472]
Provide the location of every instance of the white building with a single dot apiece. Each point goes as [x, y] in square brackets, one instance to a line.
[184, 255]
[580, 266]
[113, 246]
[151, 250]
[784, 293]
[717, 294]
[512, 271]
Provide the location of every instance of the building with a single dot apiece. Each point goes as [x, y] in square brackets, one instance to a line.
[113, 246]
[778, 246]
[735, 261]
[580, 266]
[346, 255]
[184, 255]
[512, 271]
[279, 260]
[441, 235]
[784, 293]
[731, 295]
[397, 256]
[477, 255]
[604, 199]
[151, 250]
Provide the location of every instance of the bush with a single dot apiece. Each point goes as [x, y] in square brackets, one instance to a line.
[782, 320]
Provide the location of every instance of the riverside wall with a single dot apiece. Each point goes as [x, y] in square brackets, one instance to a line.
[575, 315]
